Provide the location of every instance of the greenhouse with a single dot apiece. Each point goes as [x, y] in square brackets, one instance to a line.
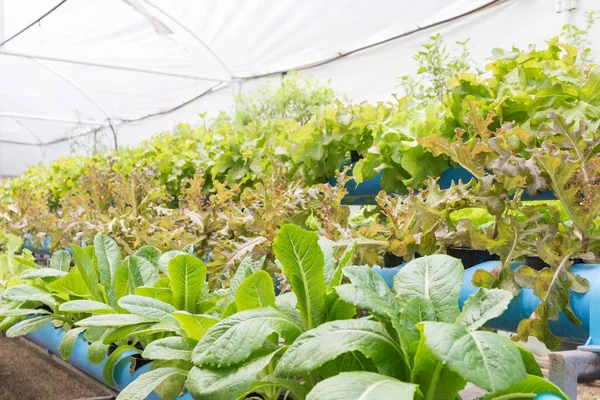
[307, 200]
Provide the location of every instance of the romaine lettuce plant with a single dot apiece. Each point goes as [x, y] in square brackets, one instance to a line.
[310, 342]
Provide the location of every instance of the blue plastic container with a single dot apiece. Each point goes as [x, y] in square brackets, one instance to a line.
[586, 306]
[548, 396]
[50, 337]
[583, 305]
[388, 273]
[365, 192]
[121, 374]
[80, 360]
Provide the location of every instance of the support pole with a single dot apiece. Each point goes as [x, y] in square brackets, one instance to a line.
[567, 366]
[2, 18]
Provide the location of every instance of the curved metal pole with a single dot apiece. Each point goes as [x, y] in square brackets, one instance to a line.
[193, 34]
[112, 66]
[84, 94]
[52, 119]
[31, 132]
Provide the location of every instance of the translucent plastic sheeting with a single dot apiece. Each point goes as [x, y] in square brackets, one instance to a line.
[134, 68]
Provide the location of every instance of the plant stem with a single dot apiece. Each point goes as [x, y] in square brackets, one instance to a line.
[516, 396]
[435, 377]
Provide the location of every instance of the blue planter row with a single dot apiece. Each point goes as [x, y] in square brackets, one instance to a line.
[586, 306]
[50, 337]
[365, 192]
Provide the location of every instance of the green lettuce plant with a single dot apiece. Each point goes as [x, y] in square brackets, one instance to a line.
[311, 343]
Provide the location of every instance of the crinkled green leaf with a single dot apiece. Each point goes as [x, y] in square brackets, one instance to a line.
[416, 310]
[150, 253]
[531, 365]
[436, 380]
[174, 386]
[170, 348]
[162, 294]
[97, 352]
[148, 308]
[247, 267]
[158, 327]
[228, 342]
[226, 384]
[314, 348]
[141, 272]
[486, 359]
[124, 332]
[330, 262]
[337, 308]
[43, 273]
[60, 260]
[437, 278]
[71, 284]
[368, 291]
[28, 293]
[140, 388]
[27, 326]
[163, 261]
[21, 312]
[86, 306]
[482, 306]
[68, 342]
[336, 278]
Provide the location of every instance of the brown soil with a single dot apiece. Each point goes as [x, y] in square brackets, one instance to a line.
[26, 373]
[588, 390]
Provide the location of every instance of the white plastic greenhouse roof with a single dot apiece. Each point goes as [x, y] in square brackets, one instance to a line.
[137, 67]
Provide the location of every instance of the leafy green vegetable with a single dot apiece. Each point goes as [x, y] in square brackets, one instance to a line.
[488, 360]
[332, 339]
[426, 277]
[68, 342]
[27, 326]
[362, 386]
[109, 260]
[228, 343]
[187, 275]
[60, 260]
[303, 263]
[146, 383]
[256, 291]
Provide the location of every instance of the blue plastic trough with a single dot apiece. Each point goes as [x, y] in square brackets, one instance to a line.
[586, 306]
[50, 337]
[365, 192]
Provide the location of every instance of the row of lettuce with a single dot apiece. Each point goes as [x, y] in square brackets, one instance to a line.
[406, 140]
[313, 340]
[529, 125]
